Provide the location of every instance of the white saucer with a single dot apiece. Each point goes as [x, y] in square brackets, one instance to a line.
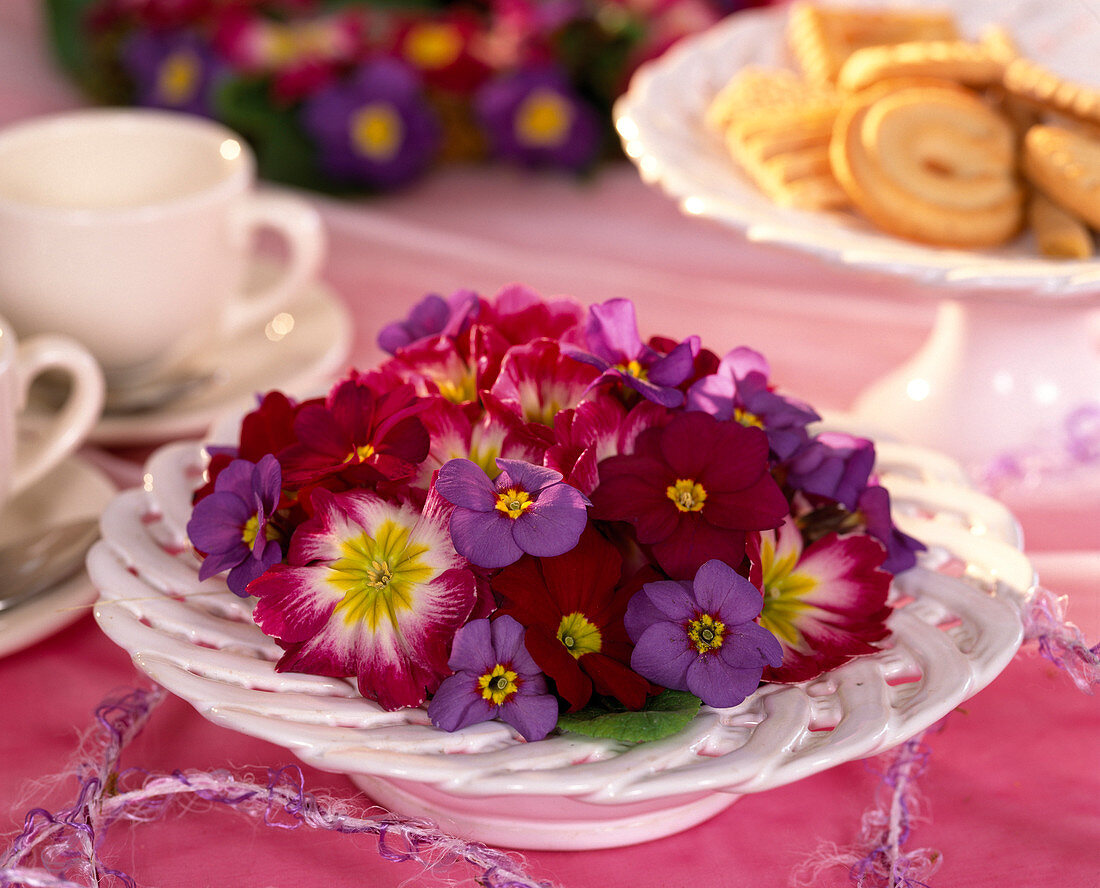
[301, 348]
[72, 491]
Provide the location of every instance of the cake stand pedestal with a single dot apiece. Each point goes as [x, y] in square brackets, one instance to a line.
[995, 375]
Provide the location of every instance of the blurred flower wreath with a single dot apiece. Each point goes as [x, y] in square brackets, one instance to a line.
[368, 95]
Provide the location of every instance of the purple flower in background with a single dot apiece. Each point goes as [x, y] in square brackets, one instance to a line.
[175, 70]
[494, 677]
[231, 524]
[901, 549]
[535, 118]
[616, 349]
[527, 509]
[431, 316]
[700, 636]
[834, 465]
[374, 129]
[739, 390]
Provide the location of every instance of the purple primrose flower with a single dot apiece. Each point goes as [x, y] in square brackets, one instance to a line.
[901, 549]
[174, 70]
[431, 316]
[534, 117]
[374, 129]
[700, 636]
[834, 465]
[494, 677]
[616, 349]
[231, 524]
[527, 509]
[739, 390]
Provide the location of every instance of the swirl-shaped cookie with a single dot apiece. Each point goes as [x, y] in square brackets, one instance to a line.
[928, 160]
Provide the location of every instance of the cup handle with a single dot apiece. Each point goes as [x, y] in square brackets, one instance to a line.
[68, 428]
[299, 225]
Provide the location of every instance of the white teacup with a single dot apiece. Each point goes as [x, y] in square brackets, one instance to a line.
[131, 230]
[20, 364]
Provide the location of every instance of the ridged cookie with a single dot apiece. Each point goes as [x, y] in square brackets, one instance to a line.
[1031, 81]
[822, 39]
[971, 64]
[1065, 166]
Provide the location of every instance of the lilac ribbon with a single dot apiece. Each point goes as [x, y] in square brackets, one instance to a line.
[62, 849]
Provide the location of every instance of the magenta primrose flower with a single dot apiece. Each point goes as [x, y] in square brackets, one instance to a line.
[372, 590]
[494, 677]
[699, 636]
[527, 509]
[692, 489]
[826, 602]
[616, 349]
[231, 524]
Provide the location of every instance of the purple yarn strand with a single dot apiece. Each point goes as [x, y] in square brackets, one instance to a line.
[877, 859]
[62, 849]
[1059, 641]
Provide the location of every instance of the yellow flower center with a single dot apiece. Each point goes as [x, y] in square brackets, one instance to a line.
[433, 45]
[377, 131]
[747, 419]
[579, 636]
[543, 119]
[498, 685]
[784, 590]
[706, 633]
[687, 495]
[460, 390]
[249, 531]
[513, 502]
[633, 368]
[178, 77]
[377, 576]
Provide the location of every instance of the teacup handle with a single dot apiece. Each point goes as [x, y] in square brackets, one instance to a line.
[299, 225]
[68, 428]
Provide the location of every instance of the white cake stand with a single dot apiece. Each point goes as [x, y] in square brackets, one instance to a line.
[1011, 353]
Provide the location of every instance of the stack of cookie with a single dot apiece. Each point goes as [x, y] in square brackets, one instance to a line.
[931, 137]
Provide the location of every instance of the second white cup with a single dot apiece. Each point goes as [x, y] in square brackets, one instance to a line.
[131, 230]
[64, 430]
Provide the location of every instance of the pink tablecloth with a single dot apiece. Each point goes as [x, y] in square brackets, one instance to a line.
[1011, 792]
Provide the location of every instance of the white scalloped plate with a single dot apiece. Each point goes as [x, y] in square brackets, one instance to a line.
[660, 120]
[956, 626]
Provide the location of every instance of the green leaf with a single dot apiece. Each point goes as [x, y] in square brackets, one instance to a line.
[663, 716]
[284, 152]
[64, 21]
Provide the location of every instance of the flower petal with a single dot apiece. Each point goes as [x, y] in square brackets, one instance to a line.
[484, 538]
[464, 484]
[718, 685]
[663, 656]
[458, 703]
[553, 525]
[534, 715]
[472, 649]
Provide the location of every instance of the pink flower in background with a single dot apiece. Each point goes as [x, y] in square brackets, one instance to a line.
[370, 590]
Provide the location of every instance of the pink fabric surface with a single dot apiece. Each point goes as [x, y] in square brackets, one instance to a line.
[1013, 784]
